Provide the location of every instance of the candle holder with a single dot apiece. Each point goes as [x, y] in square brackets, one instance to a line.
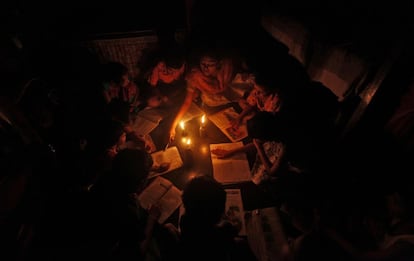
[202, 131]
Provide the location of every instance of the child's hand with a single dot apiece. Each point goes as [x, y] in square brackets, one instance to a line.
[220, 153]
[162, 167]
[154, 212]
[235, 123]
[257, 142]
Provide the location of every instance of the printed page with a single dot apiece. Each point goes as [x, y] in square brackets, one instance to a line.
[233, 169]
[169, 203]
[234, 212]
[171, 156]
[144, 126]
[265, 234]
[153, 193]
[163, 193]
[223, 119]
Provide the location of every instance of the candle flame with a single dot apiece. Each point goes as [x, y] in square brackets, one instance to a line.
[203, 119]
[182, 125]
[184, 140]
[188, 141]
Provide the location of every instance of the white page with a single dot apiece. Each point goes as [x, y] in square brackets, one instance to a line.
[233, 169]
[169, 203]
[153, 193]
[171, 156]
[164, 194]
[234, 212]
[222, 120]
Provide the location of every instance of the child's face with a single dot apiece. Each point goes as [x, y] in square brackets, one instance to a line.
[125, 80]
[208, 66]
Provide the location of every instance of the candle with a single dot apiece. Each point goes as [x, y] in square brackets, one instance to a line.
[182, 126]
[202, 129]
[188, 144]
[203, 120]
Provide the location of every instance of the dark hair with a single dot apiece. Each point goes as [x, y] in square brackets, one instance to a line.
[265, 79]
[204, 199]
[174, 58]
[110, 132]
[266, 126]
[119, 110]
[130, 169]
[113, 71]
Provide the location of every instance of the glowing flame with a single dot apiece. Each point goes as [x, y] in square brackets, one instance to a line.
[188, 142]
[182, 125]
[203, 119]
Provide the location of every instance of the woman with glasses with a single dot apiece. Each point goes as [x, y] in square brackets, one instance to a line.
[209, 80]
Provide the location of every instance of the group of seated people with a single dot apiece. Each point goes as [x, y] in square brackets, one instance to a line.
[290, 122]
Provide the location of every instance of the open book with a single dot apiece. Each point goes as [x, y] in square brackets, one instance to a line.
[163, 193]
[170, 156]
[234, 169]
[234, 212]
[223, 119]
[146, 121]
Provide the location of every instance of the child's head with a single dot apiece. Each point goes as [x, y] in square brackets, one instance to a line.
[112, 134]
[116, 73]
[130, 170]
[266, 126]
[204, 199]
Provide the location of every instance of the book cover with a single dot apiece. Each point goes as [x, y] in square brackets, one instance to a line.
[170, 156]
[223, 120]
[234, 169]
[164, 194]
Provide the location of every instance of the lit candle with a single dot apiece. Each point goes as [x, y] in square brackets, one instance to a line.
[188, 144]
[202, 129]
[182, 126]
[203, 120]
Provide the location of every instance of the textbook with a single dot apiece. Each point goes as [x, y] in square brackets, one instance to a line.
[223, 120]
[234, 169]
[234, 212]
[170, 156]
[163, 193]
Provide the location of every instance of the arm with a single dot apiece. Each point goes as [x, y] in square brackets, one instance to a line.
[154, 76]
[220, 153]
[391, 253]
[154, 213]
[226, 74]
[183, 109]
[271, 168]
[236, 123]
